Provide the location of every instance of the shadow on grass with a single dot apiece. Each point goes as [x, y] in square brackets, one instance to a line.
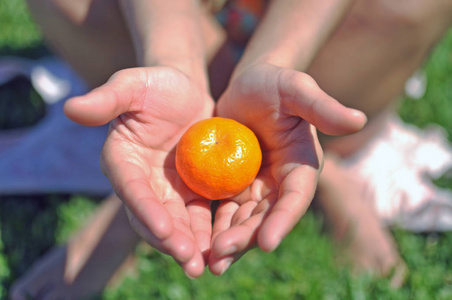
[27, 226]
[21, 106]
[33, 51]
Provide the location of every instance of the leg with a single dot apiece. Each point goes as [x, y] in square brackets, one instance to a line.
[363, 243]
[86, 264]
[365, 65]
[380, 44]
[92, 37]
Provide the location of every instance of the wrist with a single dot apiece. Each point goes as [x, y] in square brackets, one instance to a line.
[274, 59]
[302, 29]
[167, 33]
[193, 67]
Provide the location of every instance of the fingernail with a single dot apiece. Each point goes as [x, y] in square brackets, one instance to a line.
[227, 263]
[275, 245]
[192, 278]
[359, 114]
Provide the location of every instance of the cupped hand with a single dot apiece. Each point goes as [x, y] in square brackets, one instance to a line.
[149, 110]
[283, 107]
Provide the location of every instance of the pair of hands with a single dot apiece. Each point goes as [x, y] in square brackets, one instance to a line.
[150, 108]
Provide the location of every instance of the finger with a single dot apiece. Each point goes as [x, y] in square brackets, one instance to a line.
[296, 193]
[240, 237]
[244, 212]
[124, 92]
[219, 265]
[178, 245]
[132, 186]
[231, 244]
[201, 225]
[194, 221]
[223, 217]
[195, 266]
[304, 98]
[235, 239]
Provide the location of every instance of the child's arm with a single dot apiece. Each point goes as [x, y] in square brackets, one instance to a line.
[292, 31]
[167, 33]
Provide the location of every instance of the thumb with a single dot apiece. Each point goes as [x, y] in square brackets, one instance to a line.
[304, 98]
[103, 104]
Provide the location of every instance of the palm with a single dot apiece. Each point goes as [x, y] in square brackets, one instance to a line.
[271, 101]
[156, 106]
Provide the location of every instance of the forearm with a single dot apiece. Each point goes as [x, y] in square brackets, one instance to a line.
[167, 33]
[292, 31]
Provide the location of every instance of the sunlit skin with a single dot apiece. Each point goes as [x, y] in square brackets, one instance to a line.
[138, 156]
[289, 102]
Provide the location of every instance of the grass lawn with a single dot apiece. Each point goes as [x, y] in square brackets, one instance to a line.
[303, 267]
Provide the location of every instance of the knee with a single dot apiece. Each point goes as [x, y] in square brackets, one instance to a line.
[398, 13]
[418, 22]
[76, 12]
[412, 15]
[389, 16]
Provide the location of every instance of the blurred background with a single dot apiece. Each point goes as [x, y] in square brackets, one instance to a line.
[305, 266]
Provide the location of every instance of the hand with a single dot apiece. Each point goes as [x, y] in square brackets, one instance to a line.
[149, 110]
[282, 107]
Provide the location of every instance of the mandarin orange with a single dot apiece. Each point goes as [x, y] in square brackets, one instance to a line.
[218, 158]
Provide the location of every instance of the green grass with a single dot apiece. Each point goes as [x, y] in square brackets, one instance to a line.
[303, 267]
[18, 34]
[435, 106]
